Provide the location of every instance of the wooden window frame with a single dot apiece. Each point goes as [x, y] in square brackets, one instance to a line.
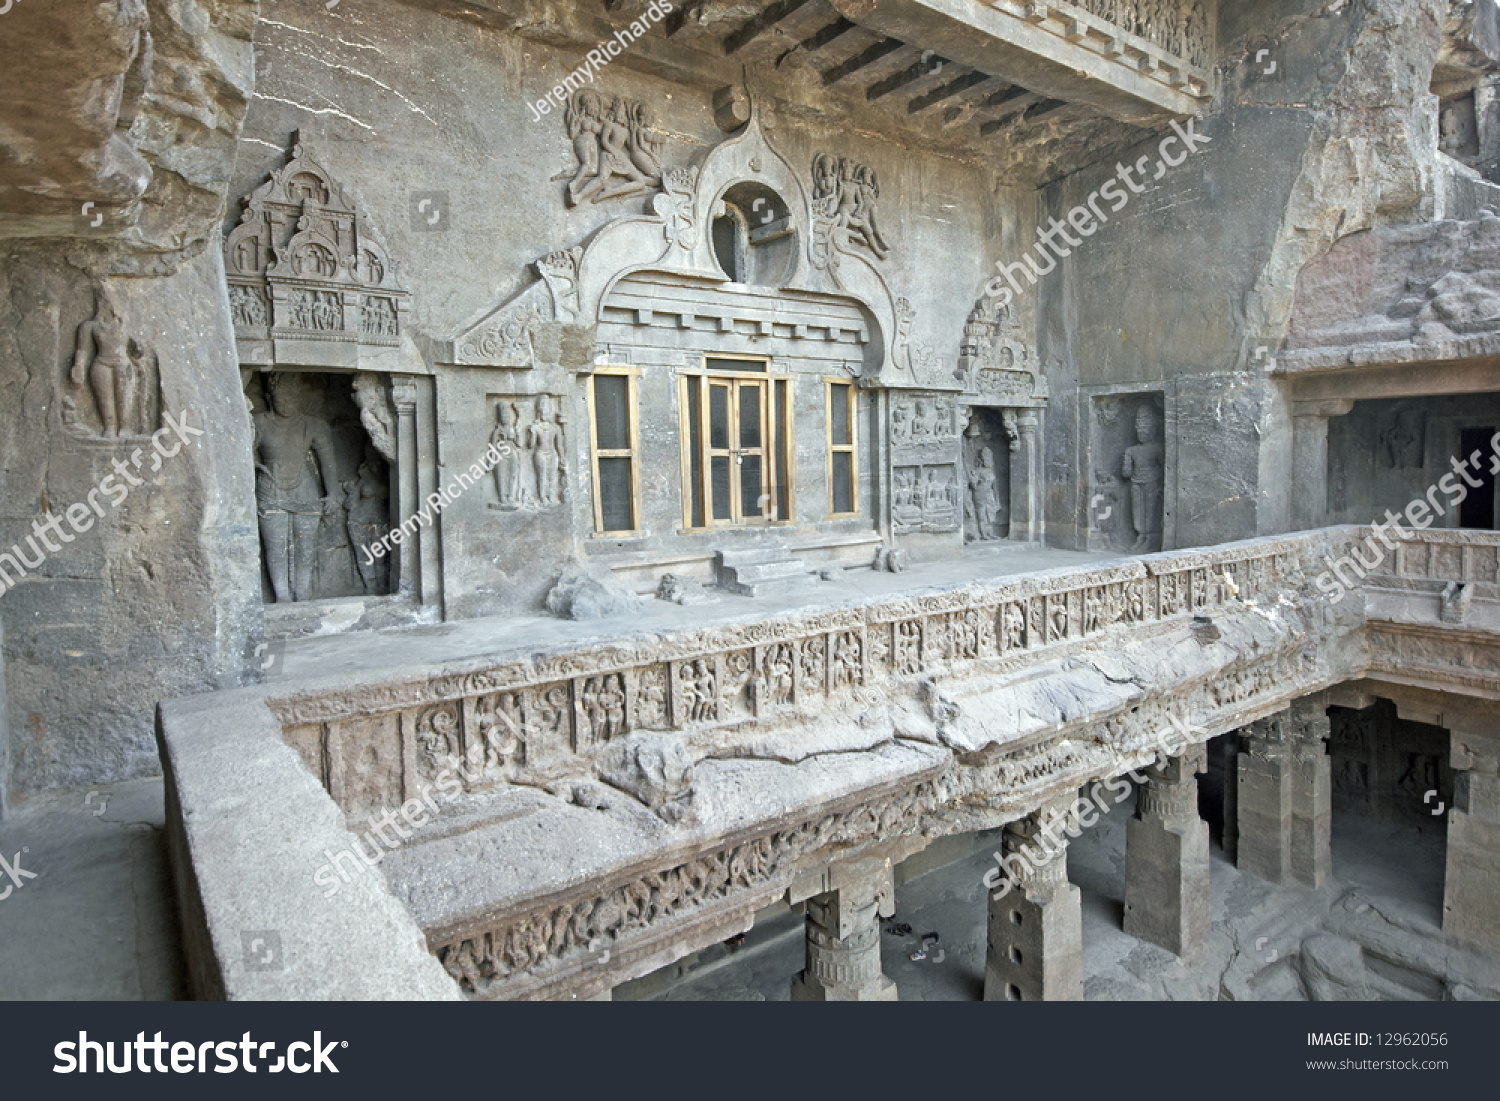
[633, 452]
[778, 441]
[851, 448]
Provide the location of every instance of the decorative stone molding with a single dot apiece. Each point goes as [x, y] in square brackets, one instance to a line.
[1171, 43]
[309, 282]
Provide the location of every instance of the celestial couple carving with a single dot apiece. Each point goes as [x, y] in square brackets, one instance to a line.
[118, 371]
[844, 195]
[618, 148]
[530, 472]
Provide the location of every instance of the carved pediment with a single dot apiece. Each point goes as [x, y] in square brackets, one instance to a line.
[305, 265]
[994, 358]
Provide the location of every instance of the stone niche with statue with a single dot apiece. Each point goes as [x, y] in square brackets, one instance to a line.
[1004, 400]
[337, 395]
[1132, 467]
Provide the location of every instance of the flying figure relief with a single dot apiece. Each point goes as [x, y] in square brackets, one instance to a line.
[618, 150]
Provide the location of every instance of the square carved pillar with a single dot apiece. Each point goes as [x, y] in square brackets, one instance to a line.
[1035, 930]
[1471, 885]
[1310, 460]
[1166, 858]
[1285, 797]
[1264, 801]
[1312, 792]
[843, 935]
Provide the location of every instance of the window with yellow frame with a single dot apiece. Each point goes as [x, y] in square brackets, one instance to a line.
[614, 446]
[736, 419]
[842, 409]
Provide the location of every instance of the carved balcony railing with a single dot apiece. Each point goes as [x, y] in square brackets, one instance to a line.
[981, 703]
[537, 718]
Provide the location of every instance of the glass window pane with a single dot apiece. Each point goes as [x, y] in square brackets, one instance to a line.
[723, 506]
[750, 491]
[718, 417]
[695, 452]
[612, 412]
[614, 495]
[838, 415]
[750, 416]
[843, 482]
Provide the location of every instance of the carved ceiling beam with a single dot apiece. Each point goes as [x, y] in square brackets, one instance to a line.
[1001, 121]
[757, 25]
[685, 11]
[1004, 96]
[830, 33]
[925, 67]
[953, 88]
[866, 57]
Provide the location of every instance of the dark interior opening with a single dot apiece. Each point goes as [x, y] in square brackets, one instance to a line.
[1478, 508]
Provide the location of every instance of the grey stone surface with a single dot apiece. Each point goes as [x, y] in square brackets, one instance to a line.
[582, 594]
[102, 886]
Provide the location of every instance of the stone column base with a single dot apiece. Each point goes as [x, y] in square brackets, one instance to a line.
[1166, 885]
[1034, 947]
[843, 936]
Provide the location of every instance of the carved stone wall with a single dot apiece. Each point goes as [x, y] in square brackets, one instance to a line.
[927, 482]
[1385, 766]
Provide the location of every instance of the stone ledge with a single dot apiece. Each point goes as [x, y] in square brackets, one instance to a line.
[244, 817]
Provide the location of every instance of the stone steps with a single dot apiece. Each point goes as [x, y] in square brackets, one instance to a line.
[755, 572]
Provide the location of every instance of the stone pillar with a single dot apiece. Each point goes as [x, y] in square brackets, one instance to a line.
[1285, 797]
[406, 562]
[1312, 792]
[843, 935]
[1471, 886]
[1035, 938]
[1166, 858]
[1310, 460]
[1231, 796]
[1026, 514]
[1264, 803]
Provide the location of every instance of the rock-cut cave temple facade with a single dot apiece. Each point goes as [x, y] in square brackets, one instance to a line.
[636, 465]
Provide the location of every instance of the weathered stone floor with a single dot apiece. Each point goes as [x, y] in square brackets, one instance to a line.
[98, 921]
[1376, 923]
